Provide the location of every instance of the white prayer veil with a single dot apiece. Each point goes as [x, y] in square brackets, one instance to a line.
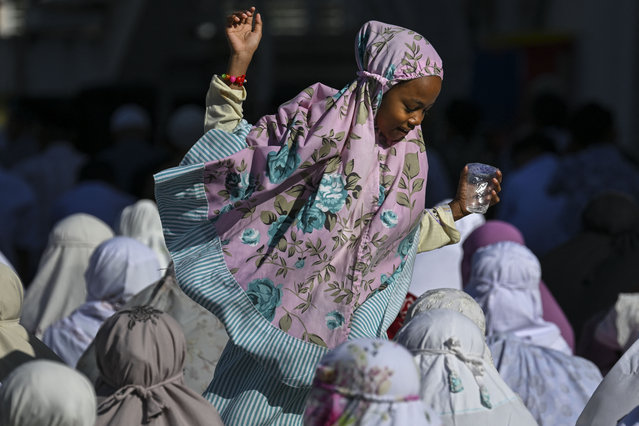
[141, 221]
[456, 381]
[455, 300]
[617, 394]
[504, 280]
[46, 393]
[59, 285]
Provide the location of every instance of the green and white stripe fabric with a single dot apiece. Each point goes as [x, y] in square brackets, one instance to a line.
[264, 374]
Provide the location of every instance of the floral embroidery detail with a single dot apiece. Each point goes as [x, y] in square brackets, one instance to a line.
[265, 296]
[485, 397]
[389, 218]
[332, 194]
[142, 313]
[300, 263]
[334, 320]
[454, 382]
[282, 164]
[250, 236]
[310, 217]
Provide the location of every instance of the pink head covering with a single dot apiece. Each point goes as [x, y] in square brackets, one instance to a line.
[495, 231]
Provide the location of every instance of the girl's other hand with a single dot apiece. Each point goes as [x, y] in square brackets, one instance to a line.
[458, 205]
[242, 35]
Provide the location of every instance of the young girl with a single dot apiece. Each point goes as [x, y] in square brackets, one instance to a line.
[300, 232]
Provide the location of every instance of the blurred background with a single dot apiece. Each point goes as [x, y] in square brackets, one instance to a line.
[522, 78]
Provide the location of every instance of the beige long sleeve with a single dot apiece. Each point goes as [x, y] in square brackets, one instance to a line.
[223, 106]
[438, 229]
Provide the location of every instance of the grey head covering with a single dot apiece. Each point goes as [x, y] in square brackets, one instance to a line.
[140, 355]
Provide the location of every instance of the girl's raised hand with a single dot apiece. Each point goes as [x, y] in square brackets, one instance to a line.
[242, 36]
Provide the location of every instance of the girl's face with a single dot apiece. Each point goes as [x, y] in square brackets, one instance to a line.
[404, 107]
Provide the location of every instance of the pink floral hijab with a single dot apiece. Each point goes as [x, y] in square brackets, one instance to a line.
[367, 382]
[318, 213]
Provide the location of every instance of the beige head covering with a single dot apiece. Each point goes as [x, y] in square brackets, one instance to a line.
[140, 354]
[141, 221]
[59, 285]
[46, 393]
[17, 346]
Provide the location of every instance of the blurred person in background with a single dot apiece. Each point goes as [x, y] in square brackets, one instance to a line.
[47, 393]
[594, 164]
[529, 352]
[529, 206]
[118, 269]
[95, 194]
[588, 272]
[17, 345]
[59, 285]
[131, 152]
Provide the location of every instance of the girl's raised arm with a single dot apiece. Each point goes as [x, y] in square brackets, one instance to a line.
[243, 32]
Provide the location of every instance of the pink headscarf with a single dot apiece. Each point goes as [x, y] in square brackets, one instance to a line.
[494, 231]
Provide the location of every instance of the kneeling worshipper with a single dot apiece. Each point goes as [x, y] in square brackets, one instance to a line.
[140, 355]
[494, 231]
[44, 392]
[205, 334]
[17, 345]
[118, 269]
[367, 382]
[529, 352]
[59, 286]
[455, 300]
[617, 394]
[456, 380]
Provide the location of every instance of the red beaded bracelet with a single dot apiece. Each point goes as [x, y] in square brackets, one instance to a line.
[239, 80]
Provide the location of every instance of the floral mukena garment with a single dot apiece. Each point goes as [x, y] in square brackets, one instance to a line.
[318, 212]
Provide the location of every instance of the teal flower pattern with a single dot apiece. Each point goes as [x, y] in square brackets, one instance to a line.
[278, 228]
[332, 194]
[282, 164]
[382, 195]
[334, 320]
[265, 296]
[310, 217]
[389, 218]
[240, 186]
[250, 236]
[405, 245]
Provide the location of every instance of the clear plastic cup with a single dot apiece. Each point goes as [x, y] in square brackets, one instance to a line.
[480, 178]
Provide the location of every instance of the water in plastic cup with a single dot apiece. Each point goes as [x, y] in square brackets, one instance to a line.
[480, 177]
